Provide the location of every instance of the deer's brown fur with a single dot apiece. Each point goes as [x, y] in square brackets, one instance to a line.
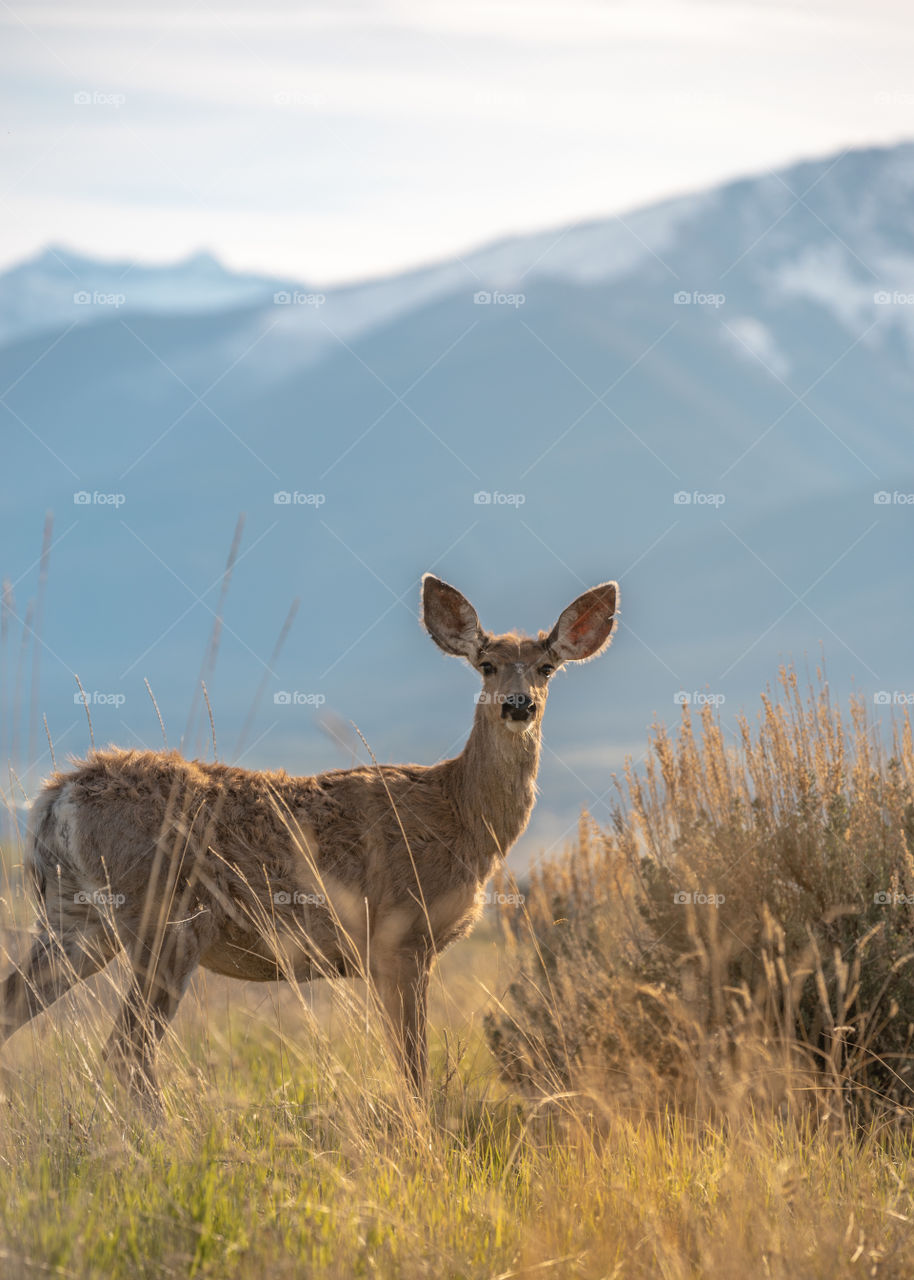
[262, 875]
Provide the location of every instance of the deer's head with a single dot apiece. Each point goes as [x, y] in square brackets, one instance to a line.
[516, 669]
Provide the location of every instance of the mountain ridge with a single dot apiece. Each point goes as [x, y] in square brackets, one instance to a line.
[594, 250]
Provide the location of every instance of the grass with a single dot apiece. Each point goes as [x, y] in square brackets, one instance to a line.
[267, 1165]
[620, 1088]
[296, 1173]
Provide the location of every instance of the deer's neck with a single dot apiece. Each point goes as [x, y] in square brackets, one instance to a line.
[494, 780]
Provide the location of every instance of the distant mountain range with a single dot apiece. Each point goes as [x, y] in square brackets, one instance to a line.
[60, 287]
[710, 399]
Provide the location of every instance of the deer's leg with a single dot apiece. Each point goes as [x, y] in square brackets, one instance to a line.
[55, 963]
[402, 986]
[162, 968]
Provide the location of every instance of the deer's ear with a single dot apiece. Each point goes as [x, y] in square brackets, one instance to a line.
[586, 627]
[450, 619]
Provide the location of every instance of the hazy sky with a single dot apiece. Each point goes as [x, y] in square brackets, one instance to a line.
[337, 140]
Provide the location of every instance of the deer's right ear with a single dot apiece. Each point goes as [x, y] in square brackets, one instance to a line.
[450, 619]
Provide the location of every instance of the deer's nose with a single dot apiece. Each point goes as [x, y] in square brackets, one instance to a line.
[517, 706]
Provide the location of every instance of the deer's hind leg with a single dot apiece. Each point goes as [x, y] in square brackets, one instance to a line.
[162, 968]
[55, 963]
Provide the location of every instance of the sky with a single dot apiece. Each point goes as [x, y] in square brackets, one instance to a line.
[338, 141]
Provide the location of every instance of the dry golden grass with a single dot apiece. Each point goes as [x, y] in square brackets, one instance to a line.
[663, 1089]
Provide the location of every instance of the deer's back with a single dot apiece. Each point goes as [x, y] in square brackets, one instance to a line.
[326, 846]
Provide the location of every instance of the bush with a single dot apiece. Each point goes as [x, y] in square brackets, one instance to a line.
[743, 928]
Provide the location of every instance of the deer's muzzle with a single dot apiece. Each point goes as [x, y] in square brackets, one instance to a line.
[517, 706]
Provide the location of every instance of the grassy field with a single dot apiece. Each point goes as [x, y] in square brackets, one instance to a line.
[289, 1148]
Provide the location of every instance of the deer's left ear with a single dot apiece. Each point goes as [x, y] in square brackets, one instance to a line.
[586, 626]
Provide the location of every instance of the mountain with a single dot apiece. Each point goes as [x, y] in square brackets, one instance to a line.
[59, 287]
[709, 399]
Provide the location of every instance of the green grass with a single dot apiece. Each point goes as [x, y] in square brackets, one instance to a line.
[288, 1149]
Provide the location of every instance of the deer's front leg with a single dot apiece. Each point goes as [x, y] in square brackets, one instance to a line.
[401, 982]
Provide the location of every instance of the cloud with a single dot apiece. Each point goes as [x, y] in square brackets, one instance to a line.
[369, 137]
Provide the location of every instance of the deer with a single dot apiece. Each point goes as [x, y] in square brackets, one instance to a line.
[370, 871]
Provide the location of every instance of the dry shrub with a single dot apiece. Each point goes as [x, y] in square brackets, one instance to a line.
[743, 929]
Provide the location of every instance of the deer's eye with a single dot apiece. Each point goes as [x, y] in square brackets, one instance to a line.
[487, 668]
[546, 669]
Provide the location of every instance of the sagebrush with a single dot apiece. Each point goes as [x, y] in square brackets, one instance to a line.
[743, 926]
